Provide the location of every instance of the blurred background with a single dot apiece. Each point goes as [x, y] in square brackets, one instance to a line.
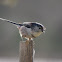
[48, 46]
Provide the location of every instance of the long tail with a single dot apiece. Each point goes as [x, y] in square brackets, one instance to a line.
[10, 21]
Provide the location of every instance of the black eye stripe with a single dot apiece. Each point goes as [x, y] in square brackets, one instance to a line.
[28, 26]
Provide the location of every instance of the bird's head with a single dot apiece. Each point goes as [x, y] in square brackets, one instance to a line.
[37, 29]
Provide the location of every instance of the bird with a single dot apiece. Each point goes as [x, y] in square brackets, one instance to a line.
[28, 30]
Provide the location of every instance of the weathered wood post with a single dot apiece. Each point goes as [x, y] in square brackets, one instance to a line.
[26, 51]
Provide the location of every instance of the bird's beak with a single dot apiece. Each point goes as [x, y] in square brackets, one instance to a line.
[44, 29]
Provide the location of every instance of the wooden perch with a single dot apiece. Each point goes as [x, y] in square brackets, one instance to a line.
[26, 51]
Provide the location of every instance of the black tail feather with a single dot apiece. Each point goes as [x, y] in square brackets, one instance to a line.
[11, 22]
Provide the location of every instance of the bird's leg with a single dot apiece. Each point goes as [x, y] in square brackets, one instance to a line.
[27, 41]
[22, 37]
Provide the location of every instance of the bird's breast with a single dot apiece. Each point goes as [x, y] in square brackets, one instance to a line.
[36, 34]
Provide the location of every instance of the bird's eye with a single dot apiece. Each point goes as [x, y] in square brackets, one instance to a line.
[39, 27]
